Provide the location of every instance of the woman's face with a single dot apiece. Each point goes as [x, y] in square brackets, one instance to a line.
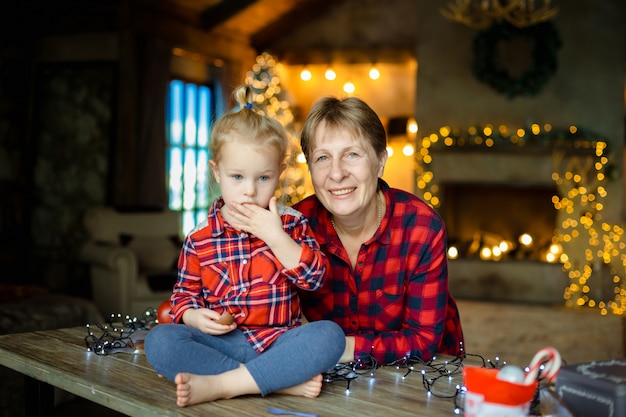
[344, 171]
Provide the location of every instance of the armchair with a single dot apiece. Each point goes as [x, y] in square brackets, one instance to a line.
[132, 258]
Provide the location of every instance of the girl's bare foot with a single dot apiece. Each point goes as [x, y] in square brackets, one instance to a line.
[309, 389]
[194, 389]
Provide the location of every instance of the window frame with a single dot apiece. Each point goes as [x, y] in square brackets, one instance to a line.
[190, 113]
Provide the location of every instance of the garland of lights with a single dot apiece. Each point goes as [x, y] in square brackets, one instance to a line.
[582, 190]
[545, 44]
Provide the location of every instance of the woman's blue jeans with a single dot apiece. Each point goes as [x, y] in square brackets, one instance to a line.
[295, 357]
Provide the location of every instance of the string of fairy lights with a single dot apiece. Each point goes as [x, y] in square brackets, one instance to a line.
[441, 377]
[590, 245]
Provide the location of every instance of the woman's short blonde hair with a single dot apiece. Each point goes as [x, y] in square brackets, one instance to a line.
[352, 114]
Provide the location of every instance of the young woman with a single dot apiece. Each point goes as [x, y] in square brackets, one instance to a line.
[237, 320]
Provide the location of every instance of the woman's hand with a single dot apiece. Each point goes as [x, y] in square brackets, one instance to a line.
[205, 320]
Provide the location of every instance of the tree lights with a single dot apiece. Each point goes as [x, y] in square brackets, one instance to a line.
[591, 249]
[271, 99]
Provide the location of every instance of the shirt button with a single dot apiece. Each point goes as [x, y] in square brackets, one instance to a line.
[354, 323]
[243, 235]
[360, 263]
[245, 261]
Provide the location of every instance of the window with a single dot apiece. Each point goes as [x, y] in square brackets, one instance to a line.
[189, 113]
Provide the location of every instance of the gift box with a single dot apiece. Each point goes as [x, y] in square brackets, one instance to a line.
[594, 389]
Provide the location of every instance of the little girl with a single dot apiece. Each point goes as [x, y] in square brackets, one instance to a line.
[237, 320]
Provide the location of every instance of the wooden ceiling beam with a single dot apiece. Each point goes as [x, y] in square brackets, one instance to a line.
[305, 11]
[222, 11]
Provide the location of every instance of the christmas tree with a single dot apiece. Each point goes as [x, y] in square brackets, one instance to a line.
[272, 100]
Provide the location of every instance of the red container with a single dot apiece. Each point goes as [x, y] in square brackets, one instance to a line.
[488, 396]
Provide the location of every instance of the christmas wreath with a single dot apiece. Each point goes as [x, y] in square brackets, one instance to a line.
[545, 42]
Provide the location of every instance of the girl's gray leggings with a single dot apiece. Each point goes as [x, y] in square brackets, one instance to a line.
[295, 357]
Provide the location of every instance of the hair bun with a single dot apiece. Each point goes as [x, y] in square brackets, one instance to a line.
[243, 96]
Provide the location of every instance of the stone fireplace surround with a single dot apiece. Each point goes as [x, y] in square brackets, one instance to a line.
[512, 280]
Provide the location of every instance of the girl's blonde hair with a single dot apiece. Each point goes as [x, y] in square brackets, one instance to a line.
[249, 127]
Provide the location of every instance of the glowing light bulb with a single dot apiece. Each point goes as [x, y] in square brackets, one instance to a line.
[306, 75]
[301, 159]
[526, 239]
[408, 150]
[374, 73]
[330, 74]
[349, 87]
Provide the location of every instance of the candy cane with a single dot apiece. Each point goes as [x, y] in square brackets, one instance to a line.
[551, 360]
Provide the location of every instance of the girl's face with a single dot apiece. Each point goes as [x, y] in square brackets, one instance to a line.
[247, 174]
[344, 171]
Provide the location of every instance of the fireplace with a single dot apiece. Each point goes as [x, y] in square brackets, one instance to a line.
[477, 212]
[492, 196]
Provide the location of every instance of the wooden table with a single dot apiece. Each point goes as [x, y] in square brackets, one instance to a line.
[128, 384]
